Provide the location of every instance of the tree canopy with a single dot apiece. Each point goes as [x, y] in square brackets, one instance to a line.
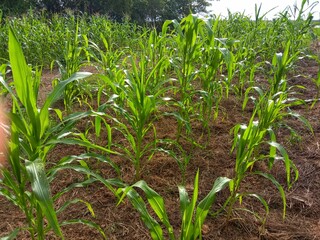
[139, 11]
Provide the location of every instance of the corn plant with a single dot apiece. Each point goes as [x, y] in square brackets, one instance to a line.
[301, 25]
[250, 141]
[316, 81]
[107, 58]
[140, 103]
[178, 153]
[279, 98]
[188, 47]
[230, 64]
[211, 87]
[72, 62]
[111, 87]
[193, 214]
[157, 48]
[32, 137]
[281, 63]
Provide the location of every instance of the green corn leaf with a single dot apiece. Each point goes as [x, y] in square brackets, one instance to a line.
[261, 199]
[205, 204]
[87, 223]
[108, 128]
[302, 119]
[187, 208]
[273, 149]
[138, 203]
[157, 204]
[184, 199]
[14, 154]
[83, 184]
[21, 73]
[25, 85]
[69, 159]
[74, 141]
[74, 201]
[12, 235]
[192, 206]
[85, 165]
[22, 126]
[79, 115]
[58, 113]
[109, 183]
[280, 189]
[57, 93]
[41, 188]
[97, 125]
[287, 162]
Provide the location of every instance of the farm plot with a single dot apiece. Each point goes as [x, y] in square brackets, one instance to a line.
[205, 129]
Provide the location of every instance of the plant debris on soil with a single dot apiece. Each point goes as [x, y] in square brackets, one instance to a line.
[163, 175]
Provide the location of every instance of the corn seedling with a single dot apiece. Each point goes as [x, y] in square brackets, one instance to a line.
[274, 105]
[73, 60]
[281, 63]
[184, 64]
[107, 58]
[181, 156]
[249, 140]
[211, 88]
[193, 214]
[230, 64]
[316, 82]
[141, 100]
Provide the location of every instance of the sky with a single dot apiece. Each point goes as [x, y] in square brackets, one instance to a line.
[221, 6]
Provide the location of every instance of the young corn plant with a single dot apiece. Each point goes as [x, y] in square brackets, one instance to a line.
[186, 35]
[178, 153]
[108, 57]
[281, 63]
[316, 81]
[299, 28]
[193, 213]
[248, 141]
[229, 62]
[157, 47]
[32, 135]
[72, 62]
[140, 103]
[251, 139]
[281, 97]
[211, 88]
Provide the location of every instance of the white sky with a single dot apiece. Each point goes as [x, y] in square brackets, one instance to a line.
[221, 6]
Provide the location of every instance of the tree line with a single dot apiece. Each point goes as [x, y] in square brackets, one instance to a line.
[139, 11]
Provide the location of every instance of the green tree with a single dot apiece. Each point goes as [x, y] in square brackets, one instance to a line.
[51, 6]
[157, 11]
[16, 6]
[181, 8]
[139, 11]
[118, 9]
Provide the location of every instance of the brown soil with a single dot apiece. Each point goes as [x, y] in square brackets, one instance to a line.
[163, 175]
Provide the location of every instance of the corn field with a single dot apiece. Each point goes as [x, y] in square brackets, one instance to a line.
[117, 131]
